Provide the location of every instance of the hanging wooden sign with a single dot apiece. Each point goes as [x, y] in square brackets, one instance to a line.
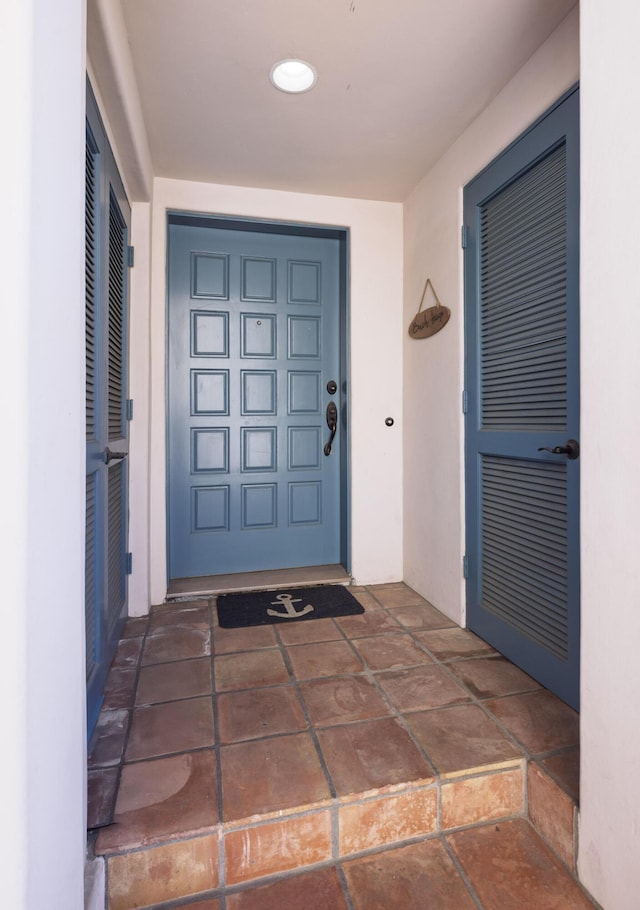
[427, 322]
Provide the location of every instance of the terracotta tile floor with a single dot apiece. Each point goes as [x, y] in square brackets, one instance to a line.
[356, 747]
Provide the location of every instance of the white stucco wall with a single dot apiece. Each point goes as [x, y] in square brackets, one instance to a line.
[376, 358]
[42, 671]
[610, 304]
[433, 368]
[15, 71]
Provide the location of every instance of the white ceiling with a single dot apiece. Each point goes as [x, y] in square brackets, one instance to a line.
[399, 80]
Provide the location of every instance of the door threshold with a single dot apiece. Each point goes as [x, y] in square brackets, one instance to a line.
[210, 585]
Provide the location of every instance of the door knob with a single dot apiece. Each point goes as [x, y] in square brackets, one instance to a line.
[113, 456]
[332, 423]
[571, 449]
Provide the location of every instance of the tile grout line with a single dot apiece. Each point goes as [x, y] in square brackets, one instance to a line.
[371, 675]
[222, 864]
[461, 872]
[310, 727]
[399, 718]
[345, 886]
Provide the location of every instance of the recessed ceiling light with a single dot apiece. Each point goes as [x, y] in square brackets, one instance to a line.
[293, 76]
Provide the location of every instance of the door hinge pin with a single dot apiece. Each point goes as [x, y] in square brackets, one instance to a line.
[465, 566]
[129, 409]
[464, 236]
[129, 563]
[130, 256]
[465, 401]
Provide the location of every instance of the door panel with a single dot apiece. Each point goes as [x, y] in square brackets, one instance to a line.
[522, 382]
[254, 338]
[107, 217]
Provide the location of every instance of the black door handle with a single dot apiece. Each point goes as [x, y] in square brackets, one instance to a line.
[332, 423]
[571, 449]
[113, 456]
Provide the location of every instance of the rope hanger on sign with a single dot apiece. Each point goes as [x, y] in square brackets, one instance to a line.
[427, 322]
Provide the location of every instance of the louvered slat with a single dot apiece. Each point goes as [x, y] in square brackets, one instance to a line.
[115, 544]
[90, 579]
[523, 300]
[116, 319]
[535, 245]
[524, 548]
[91, 277]
[522, 195]
[547, 298]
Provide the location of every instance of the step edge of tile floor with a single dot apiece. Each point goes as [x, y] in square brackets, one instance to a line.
[226, 890]
[257, 821]
[434, 782]
[327, 822]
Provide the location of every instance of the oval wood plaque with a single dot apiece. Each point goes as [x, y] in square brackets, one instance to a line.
[427, 322]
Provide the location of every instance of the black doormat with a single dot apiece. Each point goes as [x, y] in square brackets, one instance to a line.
[259, 608]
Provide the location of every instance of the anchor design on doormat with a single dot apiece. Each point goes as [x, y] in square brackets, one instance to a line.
[287, 601]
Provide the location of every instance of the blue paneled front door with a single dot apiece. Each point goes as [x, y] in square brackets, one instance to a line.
[254, 347]
[522, 390]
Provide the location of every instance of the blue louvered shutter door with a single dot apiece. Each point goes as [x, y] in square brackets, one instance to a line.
[116, 419]
[523, 385]
[92, 541]
[107, 218]
[522, 373]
